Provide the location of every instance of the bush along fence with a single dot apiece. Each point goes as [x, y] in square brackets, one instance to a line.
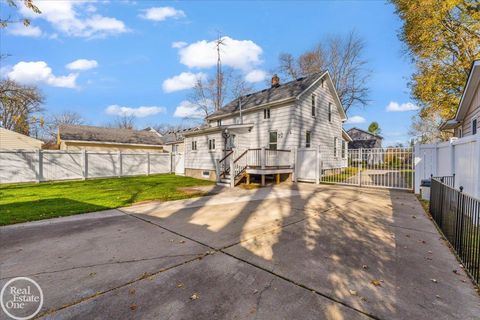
[48, 165]
[458, 216]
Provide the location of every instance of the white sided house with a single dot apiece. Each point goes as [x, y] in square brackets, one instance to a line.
[263, 133]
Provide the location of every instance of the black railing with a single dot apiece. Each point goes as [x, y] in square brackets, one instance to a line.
[448, 180]
[458, 216]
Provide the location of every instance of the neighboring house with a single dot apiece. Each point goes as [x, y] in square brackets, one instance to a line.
[174, 140]
[78, 137]
[365, 140]
[362, 139]
[11, 140]
[304, 113]
[467, 118]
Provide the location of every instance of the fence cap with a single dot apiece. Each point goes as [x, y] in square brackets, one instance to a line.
[426, 183]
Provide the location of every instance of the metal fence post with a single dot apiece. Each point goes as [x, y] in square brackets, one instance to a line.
[462, 215]
[120, 164]
[40, 165]
[359, 165]
[85, 164]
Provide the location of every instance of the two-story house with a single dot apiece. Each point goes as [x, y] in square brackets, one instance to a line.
[467, 118]
[260, 131]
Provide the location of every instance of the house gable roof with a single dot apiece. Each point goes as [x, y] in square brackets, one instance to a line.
[351, 133]
[284, 92]
[112, 135]
[471, 86]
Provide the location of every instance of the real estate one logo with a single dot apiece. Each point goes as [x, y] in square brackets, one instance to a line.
[21, 298]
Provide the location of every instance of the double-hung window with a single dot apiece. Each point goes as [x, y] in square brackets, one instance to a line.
[335, 151]
[314, 105]
[211, 144]
[272, 140]
[344, 149]
[194, 145]
[308, 138]
[329, 112]
[266, 113]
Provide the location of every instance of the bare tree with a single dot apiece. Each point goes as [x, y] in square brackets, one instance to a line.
[54, 121]
[204, 96]
[426, 129]
[123, 122]
[343, 58]
[20, 107]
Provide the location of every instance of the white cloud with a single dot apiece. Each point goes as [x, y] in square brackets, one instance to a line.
[82, 64]
[355, 120]
[186, 109]
[39, 72]
[256, 76]
[161, 13]
[20, 30]
[184, 80]
[179, 44]
[139, 112]
[396, 107]
[76, 18]
[238, 54]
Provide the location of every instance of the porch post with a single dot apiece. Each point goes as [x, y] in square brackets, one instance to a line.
[359, 165]
[264, 158]
[217, 169]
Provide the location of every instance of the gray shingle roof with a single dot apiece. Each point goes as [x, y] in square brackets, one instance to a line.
[99, 134]
[362, 144]
[177, 135]
[284, 91]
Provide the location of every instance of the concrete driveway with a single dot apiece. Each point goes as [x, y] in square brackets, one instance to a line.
[286, 252]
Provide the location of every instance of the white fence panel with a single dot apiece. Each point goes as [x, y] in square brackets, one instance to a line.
[46, 165]
[160, 163]
[306, 166]
[61, 165]
[460, 157]
[179, 164]
[134, 164]
[467, 166]
[18, 166]
[103, 164]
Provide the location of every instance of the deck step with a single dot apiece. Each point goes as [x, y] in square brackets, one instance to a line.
[223, 184]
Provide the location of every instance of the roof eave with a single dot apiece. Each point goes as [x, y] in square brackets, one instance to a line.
[465, 101]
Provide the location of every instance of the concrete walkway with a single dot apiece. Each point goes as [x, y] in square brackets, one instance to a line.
[285, 252]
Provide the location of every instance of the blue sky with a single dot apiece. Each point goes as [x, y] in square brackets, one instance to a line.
[127, 50]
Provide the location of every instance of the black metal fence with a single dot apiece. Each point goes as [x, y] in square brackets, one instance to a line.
[448, 180]
[458, 216]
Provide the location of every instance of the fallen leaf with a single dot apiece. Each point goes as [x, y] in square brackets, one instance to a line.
[365, 267]
[133, 307]
[434, 280]
[182, 241]
[455, 271]
[195, 296]
[353, 292]
[179, 285]
[376, 283]
[414, 217]
[131, 291]
[255, 291]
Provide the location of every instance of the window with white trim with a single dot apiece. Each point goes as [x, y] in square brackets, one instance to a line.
[219, 123]
[344, 149]
[211, 144]
[272, 140]
[335, 151]
[194, 145]
[308, 138]
[474, 126]
[266, 113]
[329, 112]
[314, 105]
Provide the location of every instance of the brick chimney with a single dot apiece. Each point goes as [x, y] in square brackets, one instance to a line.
[275, 81]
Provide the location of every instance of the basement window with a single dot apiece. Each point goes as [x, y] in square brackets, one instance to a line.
[206, 174]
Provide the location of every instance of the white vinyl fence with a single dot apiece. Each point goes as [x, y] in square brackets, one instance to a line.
[50, 165]
[460, 157]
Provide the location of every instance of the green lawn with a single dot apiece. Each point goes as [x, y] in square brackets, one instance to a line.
[29, 202]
